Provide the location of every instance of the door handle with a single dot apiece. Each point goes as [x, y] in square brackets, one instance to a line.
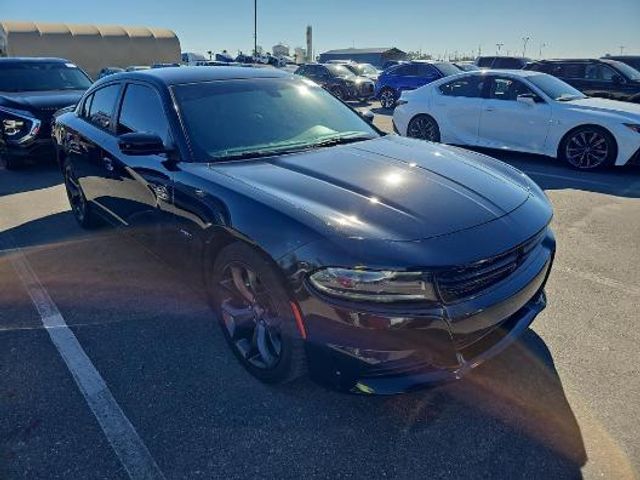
[108, 164]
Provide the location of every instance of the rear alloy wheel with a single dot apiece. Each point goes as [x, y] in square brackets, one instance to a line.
[424, 127]
[256, 315]
[80, 208]
[588, 148]
[388, 98]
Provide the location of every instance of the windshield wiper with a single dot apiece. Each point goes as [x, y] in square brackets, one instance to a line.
[340, 140]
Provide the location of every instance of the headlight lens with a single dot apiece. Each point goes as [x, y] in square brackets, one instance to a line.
[17, 127]
[633, 126]
[374, 286]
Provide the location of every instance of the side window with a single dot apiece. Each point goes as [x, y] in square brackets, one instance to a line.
[508, 89]
[508, 63]
[402, 71]
[569, 70]
[102, 106]
[142, 112]
[470, 87]
[599, 72]
[426, 71]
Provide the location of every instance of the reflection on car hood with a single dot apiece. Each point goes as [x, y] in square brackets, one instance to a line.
[605, 105]
[45, 101]
[389, 188]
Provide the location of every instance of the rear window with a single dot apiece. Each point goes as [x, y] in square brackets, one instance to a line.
[41, 76]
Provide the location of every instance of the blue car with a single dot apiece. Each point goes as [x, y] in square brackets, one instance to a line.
[409, 76]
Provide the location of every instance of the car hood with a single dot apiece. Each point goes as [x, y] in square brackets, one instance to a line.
[390, 188]
[41, 102]
[605, 105]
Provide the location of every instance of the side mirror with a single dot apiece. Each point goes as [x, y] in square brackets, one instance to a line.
[368, 115]
[141, 144]
[526, 99]
[617, 79]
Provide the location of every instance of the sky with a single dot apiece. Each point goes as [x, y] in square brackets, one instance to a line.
[562, 28]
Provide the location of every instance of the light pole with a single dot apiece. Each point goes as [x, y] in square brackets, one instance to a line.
[499, 47]
[543, 46]
[525, 40]
[255, 28]
[622, 47]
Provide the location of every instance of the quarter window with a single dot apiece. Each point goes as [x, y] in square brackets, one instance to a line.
[142, 112]
[102, 106]
[464, 87]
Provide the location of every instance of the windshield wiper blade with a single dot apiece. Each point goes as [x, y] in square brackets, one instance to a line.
[340, 141]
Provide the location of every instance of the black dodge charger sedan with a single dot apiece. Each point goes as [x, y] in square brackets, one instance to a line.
[31, 91]
[375, 263]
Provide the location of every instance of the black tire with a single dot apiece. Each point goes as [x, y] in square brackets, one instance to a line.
[424, 127]
[388, 98]
[82, 210]
[588, 148]
[282, 357]
[10, 163]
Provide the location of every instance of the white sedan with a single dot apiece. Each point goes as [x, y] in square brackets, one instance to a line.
[522, 111]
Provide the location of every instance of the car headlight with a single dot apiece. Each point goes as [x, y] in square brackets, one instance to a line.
[633, 126]
[374, 286]
[17, 127]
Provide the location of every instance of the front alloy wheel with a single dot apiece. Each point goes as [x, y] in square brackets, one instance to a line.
[387, 98]
[424, 127]
[589, 148]
[256, 315]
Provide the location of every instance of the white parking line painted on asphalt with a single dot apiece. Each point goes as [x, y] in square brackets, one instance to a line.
[125, 441]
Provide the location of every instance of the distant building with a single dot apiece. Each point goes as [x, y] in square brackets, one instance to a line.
[280, 50]
[300, 55]
[374, 56]
[91, 47]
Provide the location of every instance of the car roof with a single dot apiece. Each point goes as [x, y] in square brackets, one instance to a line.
[182, 75]
[16, 60]
[568, 60]
[513, 73]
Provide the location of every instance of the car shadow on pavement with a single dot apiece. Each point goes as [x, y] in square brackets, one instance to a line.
[28, 178]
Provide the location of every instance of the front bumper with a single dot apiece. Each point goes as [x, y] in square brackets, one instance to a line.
[394, 350]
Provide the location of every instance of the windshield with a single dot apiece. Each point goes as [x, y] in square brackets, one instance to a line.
[340, 70]
[255, 117]
[366, 69]
[33, 77]
[628, 71]
[555, 88]
[447, 68]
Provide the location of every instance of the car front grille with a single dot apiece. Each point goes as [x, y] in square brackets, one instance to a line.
[461, 283]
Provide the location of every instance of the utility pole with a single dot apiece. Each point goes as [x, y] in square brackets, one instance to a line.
[622, 47]
[479, 50]
[499, 47]
[525, 40]
[255, 29]
[543, 46]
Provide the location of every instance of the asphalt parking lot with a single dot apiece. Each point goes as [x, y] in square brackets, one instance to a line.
[562, 403]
